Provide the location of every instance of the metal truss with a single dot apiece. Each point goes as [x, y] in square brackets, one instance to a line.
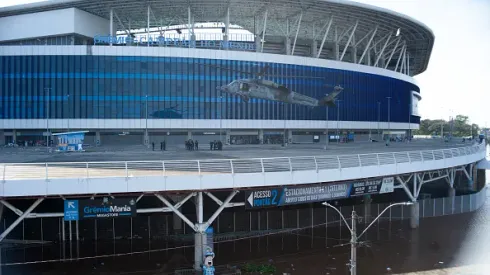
[352, 20]
[421, 178]
[200, 226]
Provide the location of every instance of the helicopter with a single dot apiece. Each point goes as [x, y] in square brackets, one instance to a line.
[260, 88]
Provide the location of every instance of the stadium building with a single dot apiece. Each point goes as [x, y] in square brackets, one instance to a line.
[250, 71]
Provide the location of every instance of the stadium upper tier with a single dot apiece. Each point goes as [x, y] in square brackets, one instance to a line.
[330, 29]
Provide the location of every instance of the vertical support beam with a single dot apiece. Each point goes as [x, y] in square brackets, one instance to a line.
[408, 64]
[297, 31]
[287, 40]
[414, 208]
[199, 235]
[190, 26]
[349, 40]
[20, 219]
[111, 24]
[399, 57]
[336, 48]
[354, 50]
[393, 52]
[148, 26]
[324, 37]
[263, 31]
[382, 49]
[227, 25]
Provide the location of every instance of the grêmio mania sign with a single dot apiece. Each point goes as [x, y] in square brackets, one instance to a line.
[173, 42]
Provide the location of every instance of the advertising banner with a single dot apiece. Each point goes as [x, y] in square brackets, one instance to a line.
[96, 209]
[281, 196]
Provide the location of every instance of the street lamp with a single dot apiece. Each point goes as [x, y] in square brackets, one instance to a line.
[326, 127]
[147, 139]
[353, 230]
[379, 117]
[338, 118]
[46, 94]
[220, 116]
[389, 118]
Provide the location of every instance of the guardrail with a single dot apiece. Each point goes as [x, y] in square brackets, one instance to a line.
[128, 169]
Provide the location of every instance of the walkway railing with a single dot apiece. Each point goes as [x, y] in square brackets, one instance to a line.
[128, 169]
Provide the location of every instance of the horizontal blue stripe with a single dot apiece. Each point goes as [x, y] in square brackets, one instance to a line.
[151, 76]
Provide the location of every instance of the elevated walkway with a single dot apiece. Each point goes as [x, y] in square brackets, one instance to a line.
[78, 178]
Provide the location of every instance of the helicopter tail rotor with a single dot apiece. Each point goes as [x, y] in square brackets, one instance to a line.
[329, 100]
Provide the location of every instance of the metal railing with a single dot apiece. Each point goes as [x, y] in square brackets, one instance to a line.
[128, 169]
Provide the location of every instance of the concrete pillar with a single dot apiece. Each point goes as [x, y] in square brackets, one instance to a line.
[314, 48]
[14, 136]
[261, 136]
[200, 242]
[177, 225]
[258, 45]
[98, 140]
[368, 58]
[287, 45]
[336, 51]
[451, 192]
[354, 54]
[189, 135]
[2, 138]
[146, 138]
[367, 208]
[228, 134]
[414, 215]
[290, 136]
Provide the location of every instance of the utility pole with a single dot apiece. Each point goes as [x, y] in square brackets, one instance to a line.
[353, 230]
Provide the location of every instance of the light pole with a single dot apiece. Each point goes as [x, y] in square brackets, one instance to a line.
[379, 117]
[284, 131]
[47, 91]
[409, 118]
[338, 119]
[220, 116]
[147, 139]
[389, 117]
[326, 128]
[353, 230]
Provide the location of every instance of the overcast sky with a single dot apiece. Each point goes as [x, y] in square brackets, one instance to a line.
[454, 82]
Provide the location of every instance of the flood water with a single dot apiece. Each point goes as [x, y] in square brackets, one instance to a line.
[389, 248]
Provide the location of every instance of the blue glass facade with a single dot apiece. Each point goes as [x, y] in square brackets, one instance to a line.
[118, 87]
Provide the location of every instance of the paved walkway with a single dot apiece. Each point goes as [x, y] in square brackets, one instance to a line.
[463, 270]
[141, 153]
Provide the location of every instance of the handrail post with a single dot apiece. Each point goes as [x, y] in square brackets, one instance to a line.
[199, 167]
[163, 166]
[86, 167]
[126, 167]
[394, 159]
[262, 164]
[359, 159]
[422, 156]
[231, 166]
[409, 158]
[4, 171]
[316, 164]
[433, 156]
[47, 177]
[290, 165]
[338, 161]
[377, 157]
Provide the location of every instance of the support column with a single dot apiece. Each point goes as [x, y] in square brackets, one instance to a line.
[287, 45]
[367, 208]
[414, 215]
[336, 47]
[290, 136]
[200, 236]
[98, 141]
[228, 137]
[474, 177]
[2, 138]
[146, 138]
[189, 135]
[226, 37]
[261, 136]
[451, 192]
[257, 43]
[14, 136]
[314, 48]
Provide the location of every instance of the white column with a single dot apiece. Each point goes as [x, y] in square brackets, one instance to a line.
[148, 26]
[227, 25]
[14, 136]
[414, 215]
[314, 48]
[290, 136]
[189, 135]
[98, 141]
[2, 138]
[261, 136]
[228, 134]
[287, 45]
[336, 48]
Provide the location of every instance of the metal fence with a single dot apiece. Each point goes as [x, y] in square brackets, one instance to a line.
[16, 171]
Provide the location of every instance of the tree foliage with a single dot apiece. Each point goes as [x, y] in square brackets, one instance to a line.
[460, 126]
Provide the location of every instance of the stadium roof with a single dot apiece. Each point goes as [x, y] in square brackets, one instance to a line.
[283, 17]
